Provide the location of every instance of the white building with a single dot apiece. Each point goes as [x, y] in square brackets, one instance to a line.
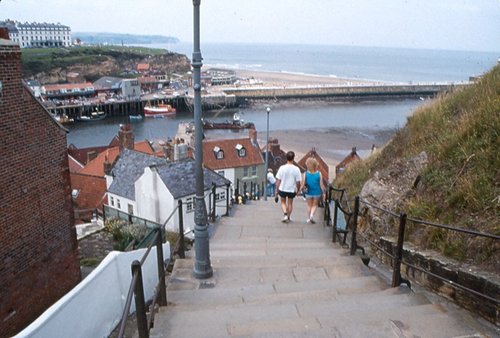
[150, 187]
[38, 34]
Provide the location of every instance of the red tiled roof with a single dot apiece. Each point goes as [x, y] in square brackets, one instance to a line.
[322, 166]
[231, 158]
[96, 166]
[142, 66]
[91, 191]
[353, 156]
[68, 86]
[74, 165]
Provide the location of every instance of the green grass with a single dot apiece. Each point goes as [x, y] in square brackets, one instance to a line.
[461, 184]
[37, 60]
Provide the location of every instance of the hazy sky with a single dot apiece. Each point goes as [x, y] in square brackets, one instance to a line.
[436, 24]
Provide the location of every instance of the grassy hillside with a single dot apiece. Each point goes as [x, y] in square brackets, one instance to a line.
[461, 184]
[37, 60]
[50, 64]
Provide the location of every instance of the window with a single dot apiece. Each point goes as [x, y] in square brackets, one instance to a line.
[221, 172]
[241, 150]
[220, 196]
[219, 153]
[254, 171]
[112, 201]
[118, 203]
[189, 204]
[245, 171]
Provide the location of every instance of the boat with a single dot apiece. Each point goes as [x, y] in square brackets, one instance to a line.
[63, 118]
[161, 110]
[94, 116]
[137, 117]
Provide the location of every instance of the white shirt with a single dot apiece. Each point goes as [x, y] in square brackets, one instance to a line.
[270, 178]
[289, 175]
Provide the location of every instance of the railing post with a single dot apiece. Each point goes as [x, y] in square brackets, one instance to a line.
[335, 217]
[140, 304]
[214, 202]
[182, 254]
[396, 272]
[327, 206]
[354, 226]
[227, 200]
[162, 291]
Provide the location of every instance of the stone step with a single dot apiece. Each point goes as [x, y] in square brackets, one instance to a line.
[411, 324]
[248, 319]
[270, 294]
[327, 326]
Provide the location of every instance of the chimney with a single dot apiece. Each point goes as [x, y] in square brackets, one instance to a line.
[126, 137]
[107, 165]
[353, 151]
[4, 33]
[252, 133]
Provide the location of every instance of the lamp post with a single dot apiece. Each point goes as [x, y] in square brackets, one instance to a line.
[267, 150]
[202, 268]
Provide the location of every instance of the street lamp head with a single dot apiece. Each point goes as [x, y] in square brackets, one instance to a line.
[268, 109]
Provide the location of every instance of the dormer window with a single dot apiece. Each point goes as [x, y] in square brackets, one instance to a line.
[219, 153]
[241, 150]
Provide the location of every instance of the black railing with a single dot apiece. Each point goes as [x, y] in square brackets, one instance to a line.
[136, 288]
[397, 257]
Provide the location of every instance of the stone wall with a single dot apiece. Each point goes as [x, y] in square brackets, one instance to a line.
[38, 247]
[469, 276]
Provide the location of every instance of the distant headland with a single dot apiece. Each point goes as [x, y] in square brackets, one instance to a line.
[117, 38]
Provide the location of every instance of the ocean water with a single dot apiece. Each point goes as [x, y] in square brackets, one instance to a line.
[385, 64]
[375, 63]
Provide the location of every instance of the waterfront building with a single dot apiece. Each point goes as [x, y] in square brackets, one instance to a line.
[67, 90]
[34, 34]
[109, 86]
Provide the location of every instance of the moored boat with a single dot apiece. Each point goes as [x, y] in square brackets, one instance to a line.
[94, 116]
[161, 110]
[137, 117]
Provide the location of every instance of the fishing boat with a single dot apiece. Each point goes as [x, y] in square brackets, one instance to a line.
[94, 116]
[161, 110]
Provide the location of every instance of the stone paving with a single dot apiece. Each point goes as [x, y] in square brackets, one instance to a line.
[274, 279]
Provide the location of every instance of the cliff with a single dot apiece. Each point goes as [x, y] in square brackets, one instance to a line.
[53, 64]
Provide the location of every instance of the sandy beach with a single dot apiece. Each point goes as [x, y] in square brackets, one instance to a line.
[280, 79]
[332, 144]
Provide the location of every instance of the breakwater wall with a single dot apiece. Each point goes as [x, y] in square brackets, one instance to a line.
[343, 92]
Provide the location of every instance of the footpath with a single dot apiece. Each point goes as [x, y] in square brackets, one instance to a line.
[274, 279]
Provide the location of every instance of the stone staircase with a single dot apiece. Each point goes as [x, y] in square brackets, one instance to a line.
[273, 279]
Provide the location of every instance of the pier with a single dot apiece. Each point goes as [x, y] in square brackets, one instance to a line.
[230, 97]
[356, 92]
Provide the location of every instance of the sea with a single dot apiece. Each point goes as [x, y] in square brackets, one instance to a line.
[371, 63]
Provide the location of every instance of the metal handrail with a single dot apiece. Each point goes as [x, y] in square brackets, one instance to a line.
[379, 208]
[134, 280]
[398, 255]
[457, 229]
[378, 247]
[460, 286]
[128, 303]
